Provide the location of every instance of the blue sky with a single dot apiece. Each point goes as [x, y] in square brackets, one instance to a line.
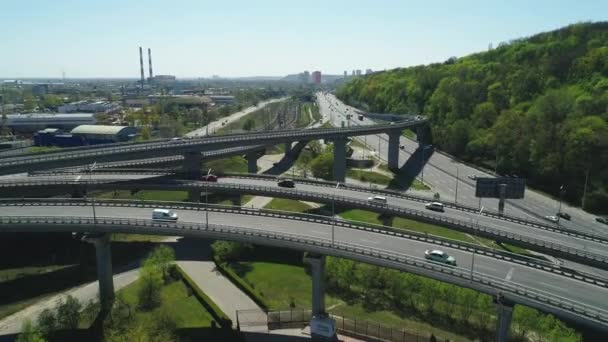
[42, 38]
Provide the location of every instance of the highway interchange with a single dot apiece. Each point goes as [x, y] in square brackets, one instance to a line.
[440, 172]
[559, 286]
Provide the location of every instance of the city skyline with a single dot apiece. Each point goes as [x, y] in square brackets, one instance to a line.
[200, 39]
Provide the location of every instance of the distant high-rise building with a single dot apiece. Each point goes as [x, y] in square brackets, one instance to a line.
[345, 73]
[305, 77]
[358, 72]
[368, 71]
[316, 77]
[353, 73]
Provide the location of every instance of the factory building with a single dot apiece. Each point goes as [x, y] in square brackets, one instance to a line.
[31, 122]
[88, 106]
[84, 135]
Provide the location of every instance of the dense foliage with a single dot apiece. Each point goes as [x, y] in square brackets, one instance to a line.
[462, 310]
[535, 107]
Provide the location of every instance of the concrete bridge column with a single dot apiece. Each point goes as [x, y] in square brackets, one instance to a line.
[317, 263]
[423, 135]
[104, 268]
[393, 149]
[339, 159]
[192, 169]
[252, 162]
[503, 322]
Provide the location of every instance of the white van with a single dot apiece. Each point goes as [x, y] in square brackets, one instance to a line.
[164, 214]
[435, 206]
[378, 199]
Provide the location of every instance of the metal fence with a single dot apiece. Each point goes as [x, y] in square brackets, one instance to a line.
[294, 319]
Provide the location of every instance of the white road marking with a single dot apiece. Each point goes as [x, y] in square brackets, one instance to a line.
[78, 178]
[509, 274]
[369, 241]
[319, 231]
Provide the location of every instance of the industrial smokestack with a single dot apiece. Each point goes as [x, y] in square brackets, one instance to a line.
[150, 63]
[141, 66]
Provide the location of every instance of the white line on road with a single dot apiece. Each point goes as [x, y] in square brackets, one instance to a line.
[509, 274]
[369, 241]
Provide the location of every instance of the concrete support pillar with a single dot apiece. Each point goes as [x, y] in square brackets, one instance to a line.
[192, 166]
[502, 191]
[252, 162]
[317, 263]
[192, 169]
[503, 322]
[423, 135]
[340, 159]
[104, 269]
[393, 149]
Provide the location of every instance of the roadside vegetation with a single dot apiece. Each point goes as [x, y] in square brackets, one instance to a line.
[159, 306]
[535, 107]
[368, 293]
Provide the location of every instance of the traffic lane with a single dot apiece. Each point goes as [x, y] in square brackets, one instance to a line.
[532, 278]
[471, 218]
[440, 161]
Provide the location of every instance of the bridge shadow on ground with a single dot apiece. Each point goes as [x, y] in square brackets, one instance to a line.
[405, 176]
[287, 161]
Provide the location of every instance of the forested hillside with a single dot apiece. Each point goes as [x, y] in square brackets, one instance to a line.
[537, 106]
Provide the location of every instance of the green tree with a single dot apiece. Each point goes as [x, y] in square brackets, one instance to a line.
[68, 313]
[47, 322]
[161, 258]
[227, 251]
[249, 124]
[151, 282]
[30, 333]
[29, 102]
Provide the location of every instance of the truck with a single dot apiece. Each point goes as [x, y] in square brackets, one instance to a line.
[323, 327]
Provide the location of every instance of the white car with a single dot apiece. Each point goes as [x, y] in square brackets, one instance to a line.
[378, 199]
[552, 218]
[434, 206]
[439, 256]
[176, 139]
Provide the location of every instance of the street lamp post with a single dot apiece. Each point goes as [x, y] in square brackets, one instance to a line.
[91, 168]
[456, 193]
[333, 213]
[207, 200]
[559, 209]
[476, 227]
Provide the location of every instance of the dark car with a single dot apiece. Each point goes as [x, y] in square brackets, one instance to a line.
[565, 216]
[209, 178]
[603, 220]
[287, 183]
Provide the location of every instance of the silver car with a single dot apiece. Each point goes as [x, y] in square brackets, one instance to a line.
[439, 256]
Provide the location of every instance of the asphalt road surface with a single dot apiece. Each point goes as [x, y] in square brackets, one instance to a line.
[532, 278]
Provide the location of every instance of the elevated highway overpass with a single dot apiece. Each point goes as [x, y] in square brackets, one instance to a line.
[191, 148]
[591, 250]
[511, 282]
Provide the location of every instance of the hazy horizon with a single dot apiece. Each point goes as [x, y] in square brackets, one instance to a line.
[198, 39]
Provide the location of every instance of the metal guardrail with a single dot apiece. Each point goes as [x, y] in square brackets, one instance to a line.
[197, 143]
[378, 229]
[575, 254]
[560, 230]
[494, 214]
[511, 291]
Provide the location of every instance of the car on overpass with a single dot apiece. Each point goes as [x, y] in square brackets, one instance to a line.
[552, 218]
[209, 178]
[439, 256]
[164, 215]
[603, 220]
[287, 183]
[564, 215]
[436, 206]
[377, 199]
